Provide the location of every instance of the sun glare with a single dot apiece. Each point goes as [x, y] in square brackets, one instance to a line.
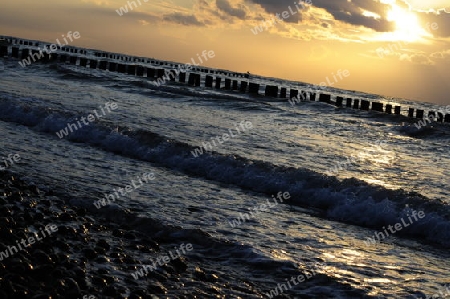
[407, 25]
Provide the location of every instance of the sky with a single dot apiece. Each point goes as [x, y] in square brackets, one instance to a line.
[394, 48]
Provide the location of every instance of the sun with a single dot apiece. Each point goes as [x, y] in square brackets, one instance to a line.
[407, 24]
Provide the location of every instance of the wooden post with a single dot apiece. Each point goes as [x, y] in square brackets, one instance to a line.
[432, 115]
[253, 88]
[377, 106]
[326, 98]
[182, 78]
[3, 51]
[271, 91]
[227, 83]
[283, 92]
[140, 71]
[365, 105]
[15, 52]
[293, 93]
[73, 60]
[83, 61]
[218, 80]
[339, 101]
[151, 72]
[93, 64]
[25, 53]
[191, 80]
[419, 113]
[235, 85]
[397, 110]
[243, 87]
[355, 104]
[411, 112]
[112, 66]
[388, 108]
[102, 65]
[131, 70]
[208, 81]
[349, 103]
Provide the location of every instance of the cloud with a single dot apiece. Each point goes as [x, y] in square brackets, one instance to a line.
[182, 19]
[277, 7]
[225, 6]
[354, 13]
[441, 19]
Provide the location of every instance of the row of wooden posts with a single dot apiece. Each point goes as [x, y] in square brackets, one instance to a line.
[114, 63]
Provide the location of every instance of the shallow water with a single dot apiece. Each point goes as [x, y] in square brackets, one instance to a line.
[288, 149]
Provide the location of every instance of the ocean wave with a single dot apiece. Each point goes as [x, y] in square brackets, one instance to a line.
[350, 200]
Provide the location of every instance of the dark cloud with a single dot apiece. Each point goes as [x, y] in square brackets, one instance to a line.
[278, 6]
[225, 6]
[350, 12]
[179, 18]
[437, 24]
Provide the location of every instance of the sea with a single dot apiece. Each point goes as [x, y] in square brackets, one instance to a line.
[364, 194]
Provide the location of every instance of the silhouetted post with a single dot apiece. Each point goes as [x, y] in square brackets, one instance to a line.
[191, 80]
[218, 80]
[227, 83]
[397, 110]
[303, 95]
[419, 113]
[73, 60]
[208, 81]
[293, 93]
[440, 117]
[235, 84]
[411, 112]
[131, 70]
[3, 51]
[447, 118]
[83, 62]
[52, 57]
[432, 115]
[326, 98]
[151, 72]
[355, 104]
[271, 91]
[15, 52]
[101, 65]
[312, 96]
[377, 106]
[283, 92]
[388, 108]
[339, 101]
[112, 66]
[140, 71]
[197, 80]
[182, 78]
[349, 103]
[243, 87]
[93, 64]
[253, 88]
[160, 73]
[365, 105]
[25, 53]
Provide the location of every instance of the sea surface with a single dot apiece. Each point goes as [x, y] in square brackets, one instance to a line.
[347, 174]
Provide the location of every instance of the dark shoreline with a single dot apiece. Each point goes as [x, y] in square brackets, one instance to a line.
[95, 252]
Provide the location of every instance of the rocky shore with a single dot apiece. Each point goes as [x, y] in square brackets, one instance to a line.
[84, 252]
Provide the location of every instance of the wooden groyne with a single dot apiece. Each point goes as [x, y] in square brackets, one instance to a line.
[212, 78]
